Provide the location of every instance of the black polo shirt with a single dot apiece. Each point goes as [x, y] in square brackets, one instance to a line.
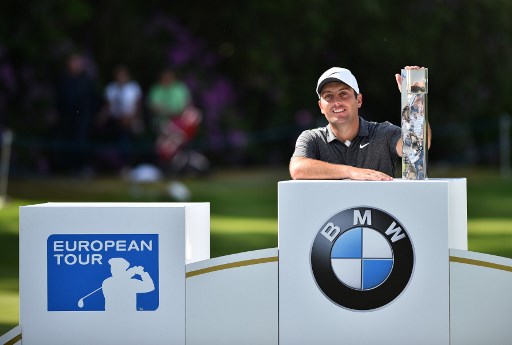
[374, 147]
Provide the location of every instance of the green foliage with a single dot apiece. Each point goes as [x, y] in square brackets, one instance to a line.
[491, 235]
[272, 54]
[9, 265]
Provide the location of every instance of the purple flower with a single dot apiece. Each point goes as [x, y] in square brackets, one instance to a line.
[7, 77]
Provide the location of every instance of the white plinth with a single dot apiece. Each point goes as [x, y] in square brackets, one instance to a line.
[431, 215]
[232, 300]
[480, 303]
[65, 252]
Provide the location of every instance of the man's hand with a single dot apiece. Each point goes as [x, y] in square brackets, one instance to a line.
[135, 270]
[368, 175]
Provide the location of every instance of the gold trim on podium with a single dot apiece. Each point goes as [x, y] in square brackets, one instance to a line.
[480, 263]
[13, 340]
[231, 265]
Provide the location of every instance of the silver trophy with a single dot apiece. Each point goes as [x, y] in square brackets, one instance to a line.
[414, 123]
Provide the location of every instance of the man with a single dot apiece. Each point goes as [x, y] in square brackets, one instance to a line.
[169, 98]
[76, 103]
[349, 147]
[121, 289]
[120, 120]
[123, 98]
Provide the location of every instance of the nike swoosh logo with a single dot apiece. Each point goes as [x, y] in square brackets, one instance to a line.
[361, 146]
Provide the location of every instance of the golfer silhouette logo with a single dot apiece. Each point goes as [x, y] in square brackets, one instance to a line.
[121, 289]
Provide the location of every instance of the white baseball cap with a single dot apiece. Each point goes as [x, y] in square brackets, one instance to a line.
[337, 74]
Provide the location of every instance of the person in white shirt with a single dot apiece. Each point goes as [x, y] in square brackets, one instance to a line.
[121, 117]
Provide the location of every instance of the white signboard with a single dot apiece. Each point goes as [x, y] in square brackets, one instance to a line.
[366, 261]
[105, 273]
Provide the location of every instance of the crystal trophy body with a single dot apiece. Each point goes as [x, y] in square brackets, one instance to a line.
[414, 123]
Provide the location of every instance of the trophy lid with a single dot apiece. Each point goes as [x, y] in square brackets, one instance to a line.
[415, 80]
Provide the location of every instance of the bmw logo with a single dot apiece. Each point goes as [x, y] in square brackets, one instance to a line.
[362, 258]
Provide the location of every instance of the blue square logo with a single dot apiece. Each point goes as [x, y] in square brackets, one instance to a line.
[103, 272]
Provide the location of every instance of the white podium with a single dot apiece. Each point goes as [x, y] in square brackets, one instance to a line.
[108, 273]
[368, 262]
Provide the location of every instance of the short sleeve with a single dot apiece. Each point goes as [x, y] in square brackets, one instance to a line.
[394, 133]
[306, 146]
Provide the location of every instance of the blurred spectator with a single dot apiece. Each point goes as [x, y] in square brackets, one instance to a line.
[76, 103]
[121, 117]
[168, 98]
[176, 121]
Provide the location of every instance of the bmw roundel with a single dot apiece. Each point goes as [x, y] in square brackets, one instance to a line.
[362, 258]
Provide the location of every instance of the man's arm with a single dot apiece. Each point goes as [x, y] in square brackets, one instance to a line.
[302, 168]
[144, 285]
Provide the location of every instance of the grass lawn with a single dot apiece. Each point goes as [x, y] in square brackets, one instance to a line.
[243, 207]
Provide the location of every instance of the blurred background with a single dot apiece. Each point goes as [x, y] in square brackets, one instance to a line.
[251, 69]
[203, 101]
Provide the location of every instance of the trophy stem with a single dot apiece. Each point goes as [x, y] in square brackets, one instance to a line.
[414, 123]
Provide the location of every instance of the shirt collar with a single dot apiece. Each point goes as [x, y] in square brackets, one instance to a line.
[363, 130]
[330, 134]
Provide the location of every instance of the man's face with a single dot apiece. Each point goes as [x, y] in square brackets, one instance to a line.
[339, 103]
[121, 76]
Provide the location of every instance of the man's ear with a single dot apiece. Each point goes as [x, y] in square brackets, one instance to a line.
[320, 106]
[359, 100]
